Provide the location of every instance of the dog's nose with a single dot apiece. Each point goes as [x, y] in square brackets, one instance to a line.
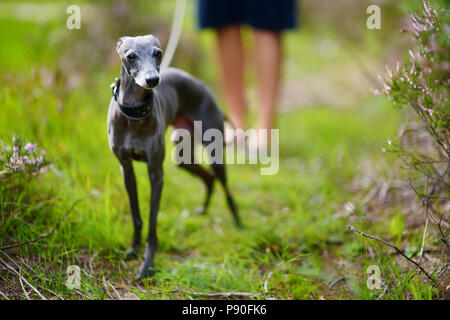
[152, 81]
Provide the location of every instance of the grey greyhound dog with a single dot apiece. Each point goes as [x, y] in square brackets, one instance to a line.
[145, 102]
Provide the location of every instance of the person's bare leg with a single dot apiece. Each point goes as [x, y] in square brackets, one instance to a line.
[268, 63]
[231, 58]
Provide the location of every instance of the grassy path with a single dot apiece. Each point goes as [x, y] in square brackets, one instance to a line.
[295, 244]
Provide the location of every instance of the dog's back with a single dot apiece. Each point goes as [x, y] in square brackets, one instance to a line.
[192, 98]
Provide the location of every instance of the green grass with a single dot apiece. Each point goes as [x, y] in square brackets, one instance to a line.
[294, 245]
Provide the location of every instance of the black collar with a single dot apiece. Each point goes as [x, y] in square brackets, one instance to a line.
[139, 111]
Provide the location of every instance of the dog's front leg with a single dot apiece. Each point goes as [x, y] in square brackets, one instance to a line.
[130, 185]
[155, 172]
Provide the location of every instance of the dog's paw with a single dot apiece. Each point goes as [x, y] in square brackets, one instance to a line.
[240, 226]
[130, 255]
[200, 211]
[144, 274]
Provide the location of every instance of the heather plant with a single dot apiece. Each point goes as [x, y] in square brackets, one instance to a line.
[421, 84]
[19, 163]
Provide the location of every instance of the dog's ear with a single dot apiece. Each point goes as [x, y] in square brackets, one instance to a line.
[121, 45]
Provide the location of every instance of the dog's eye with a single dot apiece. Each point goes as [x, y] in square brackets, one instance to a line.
[157, 54]
[131, 57]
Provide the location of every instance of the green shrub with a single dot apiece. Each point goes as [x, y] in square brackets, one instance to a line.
[20, 166]
[421, 84]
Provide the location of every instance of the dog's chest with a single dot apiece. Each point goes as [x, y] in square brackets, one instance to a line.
[135, 147]
[130, 146]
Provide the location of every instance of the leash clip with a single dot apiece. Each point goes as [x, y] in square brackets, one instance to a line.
[115, 87]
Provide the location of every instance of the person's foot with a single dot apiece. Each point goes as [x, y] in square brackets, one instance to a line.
[201, 210]
[228, 133]
[257, 142]
[234, 135]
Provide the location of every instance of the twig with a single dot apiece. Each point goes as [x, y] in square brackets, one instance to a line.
[213, 295]
[20, 277]
[52, 230]
[33, 207]
[335, 282]
[20, 273]
[395, 248]
[4, 295]
[425, 250]
[267, 282]
[42, 236]
[80, 293]
[89, 275]
[105, 286]
[115, 291]
[21, 284]
[129, 295]
[383, 293]
[45, 278]
[423, 241]
[91, 259]
[223, 294]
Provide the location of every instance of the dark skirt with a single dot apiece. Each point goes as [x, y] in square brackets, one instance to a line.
[272, 15]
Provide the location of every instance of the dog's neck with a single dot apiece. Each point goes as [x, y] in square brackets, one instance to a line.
[130, 93]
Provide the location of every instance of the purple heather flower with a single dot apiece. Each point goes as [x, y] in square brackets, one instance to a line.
[430, 111]
[27, 160]
[30, 148]
[39, 160]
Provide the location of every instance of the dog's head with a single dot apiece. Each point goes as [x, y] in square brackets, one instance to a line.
[141, 57]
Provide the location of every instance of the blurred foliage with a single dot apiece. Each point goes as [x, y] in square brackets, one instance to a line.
[77, 53]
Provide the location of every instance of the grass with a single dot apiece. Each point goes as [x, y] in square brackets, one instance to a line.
[295, 243]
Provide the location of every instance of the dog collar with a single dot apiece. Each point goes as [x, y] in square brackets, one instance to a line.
[139, 111]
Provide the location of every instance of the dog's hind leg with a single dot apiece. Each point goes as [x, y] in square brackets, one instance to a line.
[192, 167]
[130, 185]
[219, 170]
[207, 178]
